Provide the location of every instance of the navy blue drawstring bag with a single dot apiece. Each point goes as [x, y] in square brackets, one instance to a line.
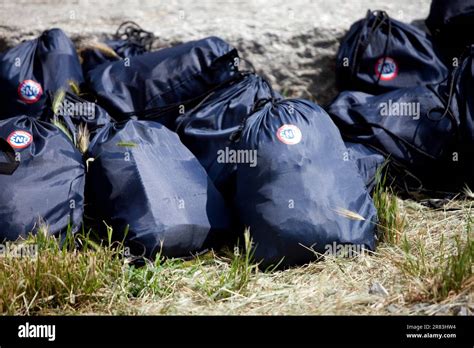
[368, 161]
[163, 78]
[207, 128]
[130, 40]
[35, 68]
[416, 128]
[41, 178]
[302, 193]
[451, 22]
[74, 111]
[95, 54]
[459, 89]
[153, 192]
[380, 54]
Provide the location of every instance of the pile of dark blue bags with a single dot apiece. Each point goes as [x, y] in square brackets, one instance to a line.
[189, 146]
[407, 95]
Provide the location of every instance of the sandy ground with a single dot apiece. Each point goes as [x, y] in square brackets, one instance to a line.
[293, 43]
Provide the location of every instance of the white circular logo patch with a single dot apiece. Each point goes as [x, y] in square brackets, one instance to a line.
[30, 91]
[387, 70]
[289, 134]
[19, 139]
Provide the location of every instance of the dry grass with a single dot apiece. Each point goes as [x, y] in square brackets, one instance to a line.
[343, 286]
[427, 270]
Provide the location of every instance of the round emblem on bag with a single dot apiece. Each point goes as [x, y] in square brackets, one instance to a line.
[289, 134]
[30, 91]
[19, 139]
[387, 70]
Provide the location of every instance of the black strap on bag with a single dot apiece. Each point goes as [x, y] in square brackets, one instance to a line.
[8, 168]
[380, 18]
[135, 35]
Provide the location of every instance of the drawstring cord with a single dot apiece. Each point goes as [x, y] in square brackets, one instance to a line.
[380, 18]
[133, 33]
[453, 81]
[387, 43]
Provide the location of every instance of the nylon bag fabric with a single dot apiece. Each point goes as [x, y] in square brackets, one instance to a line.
[380, 54]
[460, 97]
[74, 111]
[34, 69]
[302, 194]
[126, 49]
[130, 40]
[163, 78]
[93, 56]
[153, 192]
[45, 183]
[107, 52]
[368, 161]
[207, 129]
[451, 22]
[414, 128]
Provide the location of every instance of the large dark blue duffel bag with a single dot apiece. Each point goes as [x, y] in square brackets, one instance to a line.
[207, 129]
[154, 193]
[41, 178]
[35, 69]
[380, 54]
[163, 78]
[451, 22]
[417, 129]
[302, 197]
